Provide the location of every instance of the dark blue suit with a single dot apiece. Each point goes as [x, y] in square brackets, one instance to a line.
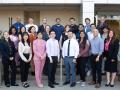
[8, 50]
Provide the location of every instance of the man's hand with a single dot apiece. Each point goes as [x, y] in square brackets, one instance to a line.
[74, 60]
[97, 58]
[113, 60]
[51, 61]
[11, 58]
[105, 58]
[42, 57]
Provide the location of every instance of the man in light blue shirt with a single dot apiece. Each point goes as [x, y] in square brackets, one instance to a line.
[97, 47]
[87, 26]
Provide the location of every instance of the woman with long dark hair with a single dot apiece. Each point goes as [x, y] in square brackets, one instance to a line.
[46, 36]
[110, 51]
[32, 37]
[21, 31]
[8, 59]
[25, 52]
[83, 55]
[14, 38]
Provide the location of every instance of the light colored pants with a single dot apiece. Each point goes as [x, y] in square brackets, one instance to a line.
[70, 67]
[39, 64]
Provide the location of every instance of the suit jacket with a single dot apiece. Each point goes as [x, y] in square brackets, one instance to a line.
[74, 28]
[7, 49]
[113, 50]
[41, 28]
[100, 27]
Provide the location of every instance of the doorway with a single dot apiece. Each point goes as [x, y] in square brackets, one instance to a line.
[32, 14]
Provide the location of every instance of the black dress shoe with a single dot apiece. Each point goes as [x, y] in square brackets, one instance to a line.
[92, 83]
[51, 86]
[55, 83]
[98, 85]
[65, 83]
[73, 84]
[111, 85]
[103, 73]
[14, 84]
[7, 85]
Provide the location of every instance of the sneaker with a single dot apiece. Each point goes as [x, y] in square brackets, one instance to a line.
[78, 82]
[82, 84]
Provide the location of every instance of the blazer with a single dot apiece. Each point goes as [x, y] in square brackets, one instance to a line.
[41, 28]
[112, 50]
[74, 28]
[7, 49]
[100, 27]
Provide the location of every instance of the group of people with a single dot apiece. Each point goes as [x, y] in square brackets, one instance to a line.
[82, 48]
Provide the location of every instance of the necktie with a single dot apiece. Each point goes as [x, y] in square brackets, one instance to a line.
[68, 51]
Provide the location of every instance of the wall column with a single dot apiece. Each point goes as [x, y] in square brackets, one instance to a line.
[88, 10]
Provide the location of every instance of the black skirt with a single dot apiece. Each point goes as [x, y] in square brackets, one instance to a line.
[110, 66]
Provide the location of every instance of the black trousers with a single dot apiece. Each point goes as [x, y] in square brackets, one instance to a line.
[96, 69]
[9, 67]
[52, 70]
[45, 69]
[24, 69]
[77, 66]
[82, 66]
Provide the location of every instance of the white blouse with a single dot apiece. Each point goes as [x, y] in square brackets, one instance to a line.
[24, 49]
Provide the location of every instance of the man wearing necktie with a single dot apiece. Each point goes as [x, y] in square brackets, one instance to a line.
[70, 52]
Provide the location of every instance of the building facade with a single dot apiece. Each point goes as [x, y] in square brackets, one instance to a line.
[64, 9]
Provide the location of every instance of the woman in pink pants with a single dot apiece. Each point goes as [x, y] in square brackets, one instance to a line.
[39, 49]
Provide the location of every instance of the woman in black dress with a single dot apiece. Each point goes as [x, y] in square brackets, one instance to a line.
[110, 52]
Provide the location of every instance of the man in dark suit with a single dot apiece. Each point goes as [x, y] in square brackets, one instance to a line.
[101, 25]
[42, 27]
[73, 26]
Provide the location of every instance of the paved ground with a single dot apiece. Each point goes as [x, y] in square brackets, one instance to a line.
[60, 87]
[77, 87]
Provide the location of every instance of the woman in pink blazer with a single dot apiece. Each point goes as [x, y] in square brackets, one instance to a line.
[39, 49]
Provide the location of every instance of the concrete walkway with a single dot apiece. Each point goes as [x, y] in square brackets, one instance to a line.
[77, 87]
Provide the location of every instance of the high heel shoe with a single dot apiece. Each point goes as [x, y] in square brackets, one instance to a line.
[112, 85]
[107, 85]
